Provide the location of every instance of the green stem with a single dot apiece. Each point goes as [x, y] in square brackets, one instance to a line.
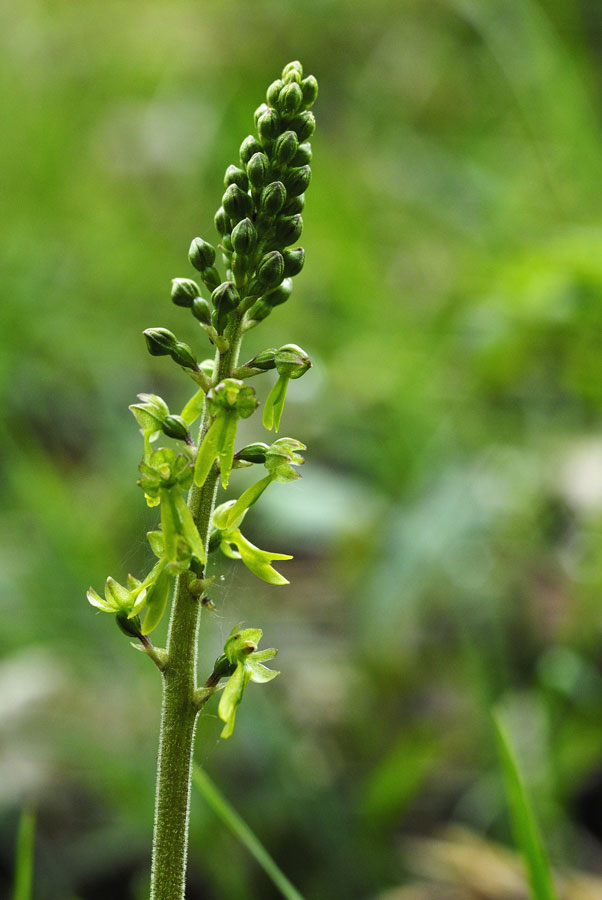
[239, 827]
[180, 704]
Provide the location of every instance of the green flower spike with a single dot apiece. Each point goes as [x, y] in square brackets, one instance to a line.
[229, 401]
[291, 362]
[241, 650]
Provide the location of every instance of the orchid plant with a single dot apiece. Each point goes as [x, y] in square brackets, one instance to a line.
[259, 220]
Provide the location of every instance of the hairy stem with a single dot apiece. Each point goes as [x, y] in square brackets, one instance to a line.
[180, 702]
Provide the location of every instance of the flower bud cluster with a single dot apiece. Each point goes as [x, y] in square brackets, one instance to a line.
[259, 218]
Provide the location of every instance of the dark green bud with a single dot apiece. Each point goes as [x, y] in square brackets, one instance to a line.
[225, 297]
[176, 427]
[273, 91]
[254, 453]
[249, 146]
[285, 147]
[268, 126]
[297, 180]
[304, 125]
[270, 270]
[211, 278]
[303, 155]
[183, 291]
[201, 254]
[259, 112]
[272, 199]
[237, 203]
[288, 230]
[236, 176]
[183, 355]
[309, 89]
[294, 205]
[131, 627]
[159, 341]
[258, 170]
[290, 99]
[265, 360]
[222, 221]
[294, 66]
[293, 261]
[201, 310]
[280, 294]
[260, 311]
[244, 237]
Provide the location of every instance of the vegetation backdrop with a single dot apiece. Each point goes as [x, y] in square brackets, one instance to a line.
[447, 532]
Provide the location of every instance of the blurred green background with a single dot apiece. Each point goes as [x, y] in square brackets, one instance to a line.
[447, 532]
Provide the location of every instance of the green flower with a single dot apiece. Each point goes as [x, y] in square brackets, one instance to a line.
[241, 650]
[291, 362]
[228, 402]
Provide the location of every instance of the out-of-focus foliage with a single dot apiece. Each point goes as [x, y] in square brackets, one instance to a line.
[447, 531]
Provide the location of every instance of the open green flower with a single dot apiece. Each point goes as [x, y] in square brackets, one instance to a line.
[279, 460]
[228, 402]
[125, 602]
[241, 650]
[291, 362]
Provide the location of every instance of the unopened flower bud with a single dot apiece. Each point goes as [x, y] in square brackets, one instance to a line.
[236, 176]
[285, 147]
[294, 205]
[271, 269]
[259, 112]
[201, 254]
[304, 124]
[292, 361]
[201, 310]
[293, 261]
[222, 221]
[254, 453]
[249, 146]
[176, 427]
[288, 229]
[303, 155]
[290, 99]
[272, 198]
[297, 180]
[265, 360]
[273, 91]
[309, 89]
[244, 237]
[225, 297]
[237, 204]
[258, 169]
[268, 126]
[293, 76]
[211, 278]
[183, 355]
[280, 294]
[183, 291]
[294, 66]
[159, 341]
[260, 311]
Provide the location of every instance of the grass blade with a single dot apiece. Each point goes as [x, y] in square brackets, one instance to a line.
[24, 856]
[524, 824]
[231, 819]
